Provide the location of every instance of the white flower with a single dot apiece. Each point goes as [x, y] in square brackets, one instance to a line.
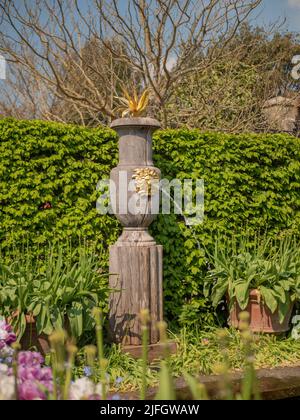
[296, 329]
[81, 389]
[3, 368]
[6, 351]
[98, 389]
[3, 334]
[7, 387]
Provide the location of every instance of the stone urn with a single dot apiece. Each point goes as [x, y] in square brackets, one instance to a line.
[135, 259]
[283, 113]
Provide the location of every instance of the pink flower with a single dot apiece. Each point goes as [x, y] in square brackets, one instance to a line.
[34, 381]
[30, 390]
[11, 338]
[34, 373]
[7, 335]
[30, 358]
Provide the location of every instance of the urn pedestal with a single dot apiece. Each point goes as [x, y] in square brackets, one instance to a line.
[135, 259]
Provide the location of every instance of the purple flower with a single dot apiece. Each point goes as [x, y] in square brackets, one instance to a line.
[6, 351]
[30, 390]
[34, 382]
[87, 371]
[7, 335]
[115, 397]
[46, 374]
[30, 358]
[94, 397]
[34, 373]
[11, 338]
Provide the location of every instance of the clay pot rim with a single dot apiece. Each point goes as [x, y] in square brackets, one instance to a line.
[251, 293]
[135, 122]
[254, 292]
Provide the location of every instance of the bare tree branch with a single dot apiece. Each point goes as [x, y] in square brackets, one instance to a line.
[153, 43]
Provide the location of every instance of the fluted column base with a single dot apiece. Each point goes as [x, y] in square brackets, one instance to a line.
[136, 274]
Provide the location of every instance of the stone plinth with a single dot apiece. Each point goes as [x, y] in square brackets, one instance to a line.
[138, 285]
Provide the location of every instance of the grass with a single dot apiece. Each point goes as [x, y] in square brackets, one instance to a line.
[198, 353]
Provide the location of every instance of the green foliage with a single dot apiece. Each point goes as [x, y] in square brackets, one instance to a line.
[230, 94]
[198, 309]
[58, 164]
[230, 85]
[270, 267]
[166, 389]
[59, 291]
[198, 353]
[251, 181]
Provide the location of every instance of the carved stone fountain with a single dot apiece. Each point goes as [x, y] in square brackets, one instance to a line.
[135, 259]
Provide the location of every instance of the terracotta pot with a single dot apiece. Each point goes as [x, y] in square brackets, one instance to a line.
[261, 318]
[31, 339]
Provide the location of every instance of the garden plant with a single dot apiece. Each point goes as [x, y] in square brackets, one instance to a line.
[58, 290]
[271, 268]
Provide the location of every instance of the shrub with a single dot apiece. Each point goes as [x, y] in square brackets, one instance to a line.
[49, 171]
[251, 183]
[60, 291]
[48, 175]
[272, 267]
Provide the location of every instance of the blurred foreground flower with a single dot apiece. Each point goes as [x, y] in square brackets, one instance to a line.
[84, 389]
[7, 386]
[7, 337]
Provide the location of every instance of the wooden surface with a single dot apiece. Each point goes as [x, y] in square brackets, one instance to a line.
[138, 285]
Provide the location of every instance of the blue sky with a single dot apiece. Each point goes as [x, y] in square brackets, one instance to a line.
[274, 9]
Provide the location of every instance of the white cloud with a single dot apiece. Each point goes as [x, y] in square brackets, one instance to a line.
[294, 3]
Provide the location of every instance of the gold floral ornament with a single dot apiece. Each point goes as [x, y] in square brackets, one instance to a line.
[146, 181]
[133, 106]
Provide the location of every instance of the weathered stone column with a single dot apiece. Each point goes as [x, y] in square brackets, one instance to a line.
[135, 259]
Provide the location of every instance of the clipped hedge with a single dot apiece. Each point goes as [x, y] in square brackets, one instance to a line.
[48, 163]
[251, 182]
